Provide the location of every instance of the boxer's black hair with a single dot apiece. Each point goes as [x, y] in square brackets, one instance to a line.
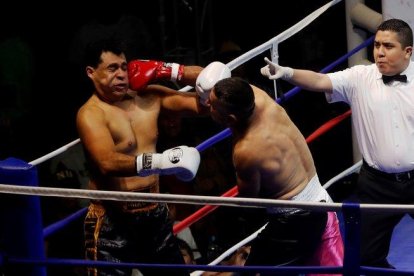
[96, 48]
[237, 95]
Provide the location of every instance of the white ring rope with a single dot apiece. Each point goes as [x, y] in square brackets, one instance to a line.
[54, 153]
[155, 197]
[277, 39]
[281, 37]
[231, 250]
[196, 200]
[354, 168]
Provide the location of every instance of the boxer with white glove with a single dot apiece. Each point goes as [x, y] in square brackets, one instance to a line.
[210, 75]
[182, 161]
[144, 72]
[274, 71]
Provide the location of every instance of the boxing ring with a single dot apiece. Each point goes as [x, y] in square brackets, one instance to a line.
[22, 252]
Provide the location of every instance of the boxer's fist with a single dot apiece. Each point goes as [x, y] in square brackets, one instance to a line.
[143, 72]
[182, 161]
[210, 75]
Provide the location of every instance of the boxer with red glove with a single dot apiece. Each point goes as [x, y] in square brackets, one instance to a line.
[144, 72]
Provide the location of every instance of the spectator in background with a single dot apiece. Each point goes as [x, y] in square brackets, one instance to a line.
[186, 251]
[238, 258]
[185, 234]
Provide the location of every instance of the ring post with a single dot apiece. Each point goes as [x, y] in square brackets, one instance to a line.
[21, 233]
[352, 216]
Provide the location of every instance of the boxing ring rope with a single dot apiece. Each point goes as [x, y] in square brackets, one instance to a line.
[55, 227]
[54, 153]
[351, 210]
[238, 202]
[192, 199]
[186, 267]
[202, 212]
[353, 169]
[152, 197]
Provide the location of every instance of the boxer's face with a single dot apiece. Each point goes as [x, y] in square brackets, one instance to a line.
[110, 76]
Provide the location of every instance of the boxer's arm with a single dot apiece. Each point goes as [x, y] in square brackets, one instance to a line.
[306, 79]
[182, 103]
[99, 145]
[190, 75]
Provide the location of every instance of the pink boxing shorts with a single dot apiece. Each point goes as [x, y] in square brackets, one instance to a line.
[331, 250]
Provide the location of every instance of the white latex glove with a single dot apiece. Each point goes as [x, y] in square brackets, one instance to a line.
[274, 71]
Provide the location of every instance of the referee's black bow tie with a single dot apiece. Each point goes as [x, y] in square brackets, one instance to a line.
[387, 79]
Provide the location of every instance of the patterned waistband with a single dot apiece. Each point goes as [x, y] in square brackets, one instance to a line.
[133, 206]
[313, 192]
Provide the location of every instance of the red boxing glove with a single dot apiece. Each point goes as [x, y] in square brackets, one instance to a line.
[143, 72]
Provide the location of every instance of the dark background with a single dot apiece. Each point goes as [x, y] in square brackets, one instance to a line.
[42, 83]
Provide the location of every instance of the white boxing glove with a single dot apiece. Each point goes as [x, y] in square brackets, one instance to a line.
[208, 77]
[274, 71]
[182, 161]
